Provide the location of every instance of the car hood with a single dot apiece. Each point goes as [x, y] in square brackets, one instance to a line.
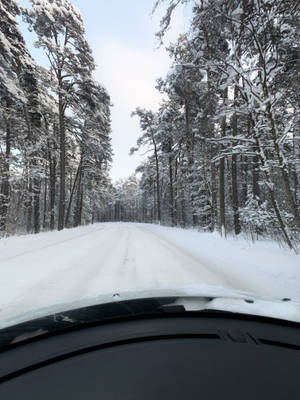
[191, 298]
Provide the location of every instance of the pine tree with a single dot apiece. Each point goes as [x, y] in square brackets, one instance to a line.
[60, 30]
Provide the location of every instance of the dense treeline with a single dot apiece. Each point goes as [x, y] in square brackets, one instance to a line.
[225, 143]
[54, 123]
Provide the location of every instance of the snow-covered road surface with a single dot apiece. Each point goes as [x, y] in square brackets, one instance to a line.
[60, 267]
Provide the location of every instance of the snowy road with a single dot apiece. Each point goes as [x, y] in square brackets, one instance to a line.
[60, 267]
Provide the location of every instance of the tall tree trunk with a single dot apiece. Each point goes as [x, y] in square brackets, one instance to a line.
[36, 191]
[190, 157]
[279, 218]
[17, 219]
[62, 186]
[154, 208]
[222, 180]
[157, 177]
[213, 169]
[35, 184]
[5, 186]
[235, 197]
[183, 219]
[222, 196]
[296, 166]
[78, 172]
[36, 204]
[52, 175]
[255, 178]
[29, 208]
[45, 201]
[172, 205]
[244, 194]
[78, 207]
[214, 202]
[52, 190]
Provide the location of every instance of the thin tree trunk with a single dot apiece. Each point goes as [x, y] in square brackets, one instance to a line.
[214, 202]
[36, 204]
[52, 189]
[255, 179]
[222, 180]
[296, 166]
[172, 206]
[222, 196]
[45, 202]
[280, 220]
[80, 208]
[235, 197]
[77, 216]
[157, 178]
[62, 186]
[5, 186]
[244, 194]
[35, 184]
[154, 208]
[29, 208]
[52, 176]
[190, 157]
[78, 172]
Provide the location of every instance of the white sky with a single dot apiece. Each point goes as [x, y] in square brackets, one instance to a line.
[121, 34]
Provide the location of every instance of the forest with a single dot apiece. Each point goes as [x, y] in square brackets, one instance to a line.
[223, 149]
[225, 143]
[55, 123]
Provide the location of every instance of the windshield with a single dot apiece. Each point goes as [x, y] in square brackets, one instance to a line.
[149, 148]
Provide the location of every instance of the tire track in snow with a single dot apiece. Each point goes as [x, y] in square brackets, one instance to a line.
[229, 280]
[204, 264]
[71, 281]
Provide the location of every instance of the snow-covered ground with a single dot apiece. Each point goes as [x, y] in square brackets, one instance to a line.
[75, 265]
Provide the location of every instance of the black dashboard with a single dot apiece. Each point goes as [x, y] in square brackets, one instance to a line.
[149, 349]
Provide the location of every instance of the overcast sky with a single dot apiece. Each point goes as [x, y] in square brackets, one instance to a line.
[122, 36]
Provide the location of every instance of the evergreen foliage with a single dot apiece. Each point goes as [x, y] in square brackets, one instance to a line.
[54, 124]
[227, 144]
